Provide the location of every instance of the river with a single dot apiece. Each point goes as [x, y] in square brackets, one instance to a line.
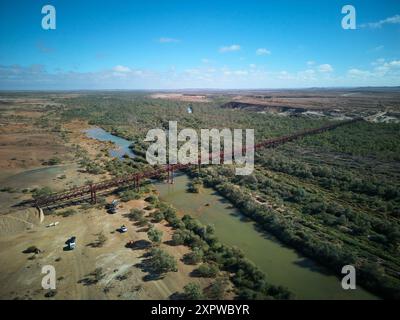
[122, 145]
[282, 265]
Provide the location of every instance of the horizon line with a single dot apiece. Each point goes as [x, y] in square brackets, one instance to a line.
[204, 89]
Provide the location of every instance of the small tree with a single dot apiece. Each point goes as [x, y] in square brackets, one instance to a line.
[216, 291]
[158, 216]
[129, 195]
[98, 274]
[101, 239]
[207, 270]
[192, 291]
[178, 238]
[136, 214]
[142, 222]
[161, 262]
[195, 256]
[155, 235]
[193, 188]
[151, 199]
[37, 193]
[53, 161]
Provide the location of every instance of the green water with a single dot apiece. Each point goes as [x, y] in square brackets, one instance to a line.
[34, 177]
[282, 265]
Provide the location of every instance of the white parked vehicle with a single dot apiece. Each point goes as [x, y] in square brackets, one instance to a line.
[113, 206]
[71, 243]
[114, 203]
[123, 229]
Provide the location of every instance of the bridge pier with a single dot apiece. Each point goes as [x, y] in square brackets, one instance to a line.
[171, 174]
[168, 174]
[93, 197]
[137, 183]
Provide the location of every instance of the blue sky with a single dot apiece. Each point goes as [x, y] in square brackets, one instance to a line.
[198, 44]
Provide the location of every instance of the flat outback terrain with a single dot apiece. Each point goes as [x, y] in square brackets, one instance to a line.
[324, 201]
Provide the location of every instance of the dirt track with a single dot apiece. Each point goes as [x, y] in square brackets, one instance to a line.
[21, 277]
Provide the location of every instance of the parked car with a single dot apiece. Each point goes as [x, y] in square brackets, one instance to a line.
[113, 206]
[115, 203]
[123, 229]
[71, 243]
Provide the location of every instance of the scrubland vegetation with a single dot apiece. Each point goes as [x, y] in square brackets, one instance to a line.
[334, 197]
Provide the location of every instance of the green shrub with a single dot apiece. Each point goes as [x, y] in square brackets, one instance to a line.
[155, 235]
[207, 270]
[161, 262]
[192, 291]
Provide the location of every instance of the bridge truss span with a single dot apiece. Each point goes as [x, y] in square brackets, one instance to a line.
[168, 169]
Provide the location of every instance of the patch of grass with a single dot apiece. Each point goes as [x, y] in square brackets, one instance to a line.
[67, 213]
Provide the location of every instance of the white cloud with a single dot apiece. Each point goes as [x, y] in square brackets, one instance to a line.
[231, 48]
[310, 63]
[307, 75]
[378, 61]
[382, 67]
[381, 72]
[240, 72]
[354, 72]
[233, 74]
[168, 40]
[378, 48]
[263, 52]
[390, 20]
[193, 71]
[325, 68]
[122, 69]
[284, 75]
[394, 63]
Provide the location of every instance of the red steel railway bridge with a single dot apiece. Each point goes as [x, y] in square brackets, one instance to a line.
[169, 169]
